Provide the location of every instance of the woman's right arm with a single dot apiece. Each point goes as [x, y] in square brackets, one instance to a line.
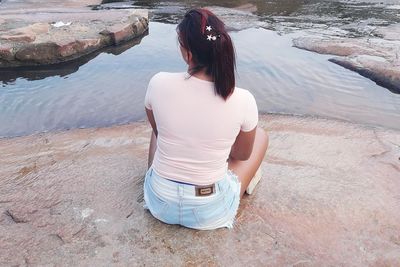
[243, 145]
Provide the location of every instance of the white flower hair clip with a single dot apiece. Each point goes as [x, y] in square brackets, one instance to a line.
[211, 37]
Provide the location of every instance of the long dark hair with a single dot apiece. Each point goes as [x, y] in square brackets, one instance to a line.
[212, 49]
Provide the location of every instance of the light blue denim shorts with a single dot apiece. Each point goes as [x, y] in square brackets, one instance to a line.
[176, 203]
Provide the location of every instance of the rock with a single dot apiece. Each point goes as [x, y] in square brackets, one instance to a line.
[238, 18]
[39, 43]
[27, 5]
[247, 7]
[6, 53]
[373, 58]
[335, 46]
[25, 34]
[83, 46]
[65, 69]
[123, 32]
[18, 37]
[375, 68]
[329, 196]
[36, 28]
[119, 33]
[43, 53]
[391, 32]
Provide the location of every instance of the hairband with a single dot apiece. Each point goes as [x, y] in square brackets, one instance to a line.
[211, 37]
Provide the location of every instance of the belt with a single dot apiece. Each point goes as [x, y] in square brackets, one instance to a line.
[201, 190]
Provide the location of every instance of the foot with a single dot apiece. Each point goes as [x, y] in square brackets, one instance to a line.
[254, 181]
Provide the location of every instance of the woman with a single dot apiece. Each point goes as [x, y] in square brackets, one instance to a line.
[205, 147]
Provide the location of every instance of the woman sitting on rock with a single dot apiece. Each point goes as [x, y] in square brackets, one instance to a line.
[206, 146]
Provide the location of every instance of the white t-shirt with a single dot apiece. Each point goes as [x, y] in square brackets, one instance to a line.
[196, 127]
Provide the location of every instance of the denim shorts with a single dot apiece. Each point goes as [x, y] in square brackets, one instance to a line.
[176, 203]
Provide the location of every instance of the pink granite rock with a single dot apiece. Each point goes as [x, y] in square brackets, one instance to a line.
[42, 53]
[41, 43]
[76, 47]
[6, 52]
[25, 34]
[329, 196]
[120, 33]
[18, 37]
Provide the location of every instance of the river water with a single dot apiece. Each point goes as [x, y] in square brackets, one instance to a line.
[108, 88]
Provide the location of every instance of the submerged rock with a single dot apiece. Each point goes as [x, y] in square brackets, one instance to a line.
[47, 37]
[329, 196]
[375, 68]
[375, 58]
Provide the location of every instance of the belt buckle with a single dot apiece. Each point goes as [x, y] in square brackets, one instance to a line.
[204, 190]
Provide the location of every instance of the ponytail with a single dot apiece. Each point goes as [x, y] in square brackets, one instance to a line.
[222, 68]
[205, 36]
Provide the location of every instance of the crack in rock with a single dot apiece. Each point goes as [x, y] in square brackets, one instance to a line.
[14, 218]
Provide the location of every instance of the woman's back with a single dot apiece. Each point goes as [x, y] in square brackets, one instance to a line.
[205, 146]
[196, 127]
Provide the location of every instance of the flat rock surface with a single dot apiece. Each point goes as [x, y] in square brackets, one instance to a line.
[50, 32]
[330, 196]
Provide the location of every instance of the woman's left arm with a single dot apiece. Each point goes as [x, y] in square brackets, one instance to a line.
[153, 139]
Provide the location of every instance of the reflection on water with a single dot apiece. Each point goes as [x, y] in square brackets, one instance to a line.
[110, 89]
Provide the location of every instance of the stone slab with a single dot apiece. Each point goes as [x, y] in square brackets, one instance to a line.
[36, 39]
[329, 196]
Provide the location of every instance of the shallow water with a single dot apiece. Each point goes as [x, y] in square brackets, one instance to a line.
[109, 89]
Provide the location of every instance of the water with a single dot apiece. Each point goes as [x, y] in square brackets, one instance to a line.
[108, 88]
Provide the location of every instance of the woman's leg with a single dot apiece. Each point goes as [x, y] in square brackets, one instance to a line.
[152, 149]
[246, 169]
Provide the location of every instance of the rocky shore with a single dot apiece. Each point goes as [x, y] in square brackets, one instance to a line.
[55, 32]
[329, 197]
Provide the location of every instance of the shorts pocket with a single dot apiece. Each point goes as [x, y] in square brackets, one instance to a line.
[158, 207]
[211, 214]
